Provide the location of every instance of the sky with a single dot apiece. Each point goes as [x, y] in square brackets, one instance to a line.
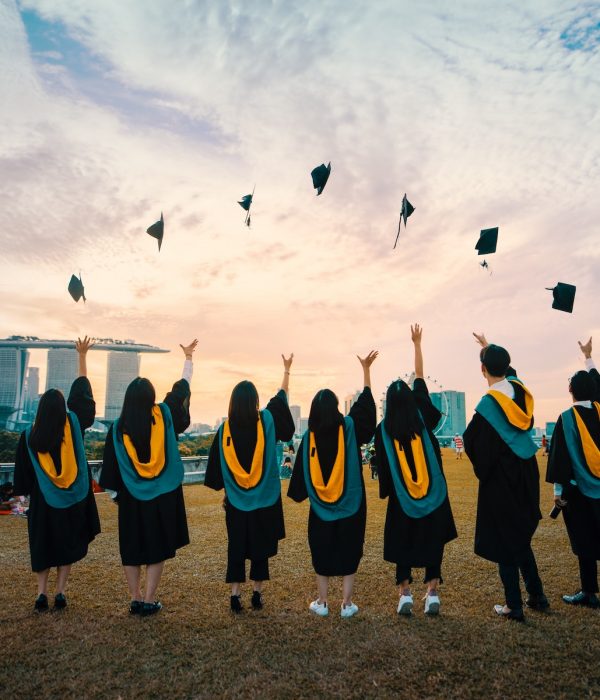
[485, 114]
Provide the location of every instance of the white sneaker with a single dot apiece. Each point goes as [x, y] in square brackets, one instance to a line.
[319, 609]
[349, 610]
[405, 605]
[432, 604]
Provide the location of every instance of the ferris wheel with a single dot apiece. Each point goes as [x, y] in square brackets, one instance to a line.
[435, 387]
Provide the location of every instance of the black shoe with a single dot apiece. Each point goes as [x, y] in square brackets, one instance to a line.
[60, 601]
[41, 603]
[516, 615]
[587, 600]
[150, 608]
[537, 602]
[236, 604]
[135, 607]
[257, 602]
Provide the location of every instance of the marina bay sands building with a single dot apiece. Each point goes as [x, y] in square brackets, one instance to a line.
[62, 369]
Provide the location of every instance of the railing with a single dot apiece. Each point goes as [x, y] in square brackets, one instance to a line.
[194, 470]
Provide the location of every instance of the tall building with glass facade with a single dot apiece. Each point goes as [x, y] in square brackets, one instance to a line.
[62, 369]
[452, 404]
[32, 391]
[123, 367]
[13, 370]
[295, 411]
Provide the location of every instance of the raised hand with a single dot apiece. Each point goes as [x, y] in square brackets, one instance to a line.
[82, 346]
[416, 333]
[367, 361]
[480, 338]
[188, 350]
[586, 348]
[287, 362]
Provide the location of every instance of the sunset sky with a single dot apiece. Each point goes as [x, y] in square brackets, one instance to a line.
[485, 114]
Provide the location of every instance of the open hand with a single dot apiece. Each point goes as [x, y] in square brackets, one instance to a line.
[367, 361]
[416, 333]
[82, 346]
[586, 348]
[188, 350]
[287, 361]
[480, 338]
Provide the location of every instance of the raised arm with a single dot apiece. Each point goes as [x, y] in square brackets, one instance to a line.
[586, 348]
[82, 346]
[287, 363]
[188, 365]
[416, 333]
[366, 363]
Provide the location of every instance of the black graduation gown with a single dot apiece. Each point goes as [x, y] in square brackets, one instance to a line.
[413, 542]
[149, 531]
[58, 536]
[336, 546]
[581, 514]
[508, 502]
[253, 534]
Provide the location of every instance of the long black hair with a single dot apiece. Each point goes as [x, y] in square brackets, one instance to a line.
[49, 426]
[401, 421]
[243, 404]
[136, 415]
[324, 413]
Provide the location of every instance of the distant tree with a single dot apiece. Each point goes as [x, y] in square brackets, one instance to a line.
[8, 445]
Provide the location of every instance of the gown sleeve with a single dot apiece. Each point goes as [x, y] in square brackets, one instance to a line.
[297, 488]
[214, 476]
[560, 468]
[593, 372]
[284, 422]
[24, 476]
[81, 402]
[178, 401]
[479, 446]
[110, 476]
[364, 415]
[431, 415]
[383, 467]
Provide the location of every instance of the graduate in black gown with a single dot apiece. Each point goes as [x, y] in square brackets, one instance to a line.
[574, 469]
[243, 461]
[328, 471]
[141, 463]
[51, 467]
[418, 521]
[500, 447]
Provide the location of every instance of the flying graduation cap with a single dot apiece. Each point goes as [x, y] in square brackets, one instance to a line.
[320, 175]
[488, 240]
[157, 230]
[485, 266]
[246, 202]
[564, 296]
[405, 211]
[75, 288]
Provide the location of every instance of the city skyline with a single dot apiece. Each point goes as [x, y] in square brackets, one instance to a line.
[115, 112]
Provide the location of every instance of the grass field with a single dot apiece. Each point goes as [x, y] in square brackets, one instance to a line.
[196, 648]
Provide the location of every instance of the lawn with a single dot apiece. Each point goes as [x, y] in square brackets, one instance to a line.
[196, 648]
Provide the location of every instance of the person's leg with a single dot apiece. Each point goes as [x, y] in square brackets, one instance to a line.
[42, 581]
[588, 572]
[62, 574]
[347, 588]
[133, 576]
[531, 577]
[509, 575]
[259, 572]
[153, 574]
[322, 588]
[236, 573]
[403, 579]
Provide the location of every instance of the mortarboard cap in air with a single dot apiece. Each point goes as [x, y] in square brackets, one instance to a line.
[488, 240]
[564, 296]
[157, 230]
[406, 209]
[246, 202]
[320, 175]
[75, 288]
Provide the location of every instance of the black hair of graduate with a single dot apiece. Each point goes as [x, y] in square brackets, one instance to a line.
[401, 420]
[324, 412]
[582, 386]
[495, 359]
[136, 415]
[243, 404]
[49, 426]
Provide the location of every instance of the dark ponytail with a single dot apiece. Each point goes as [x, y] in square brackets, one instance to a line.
[402, 421]
[49, 426]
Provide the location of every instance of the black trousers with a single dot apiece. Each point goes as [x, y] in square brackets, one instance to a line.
[588, 571]
[403, 573]
[236, 570]
[509, 573]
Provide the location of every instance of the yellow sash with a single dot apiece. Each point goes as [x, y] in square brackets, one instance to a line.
[151, 469]
[591, 453]
[68, 461]
[333, 490]
[515, 416]
[417, 488]
[242, 477]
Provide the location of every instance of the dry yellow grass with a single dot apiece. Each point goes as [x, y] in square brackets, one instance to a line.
[196, 648]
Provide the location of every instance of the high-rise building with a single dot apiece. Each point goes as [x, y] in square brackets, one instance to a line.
[452, 405]
[349, 401]
[295, 411]
[32, 391]
[303, 425]
[13, 370]
[62, 369]
[123, 367]
[550, 428]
